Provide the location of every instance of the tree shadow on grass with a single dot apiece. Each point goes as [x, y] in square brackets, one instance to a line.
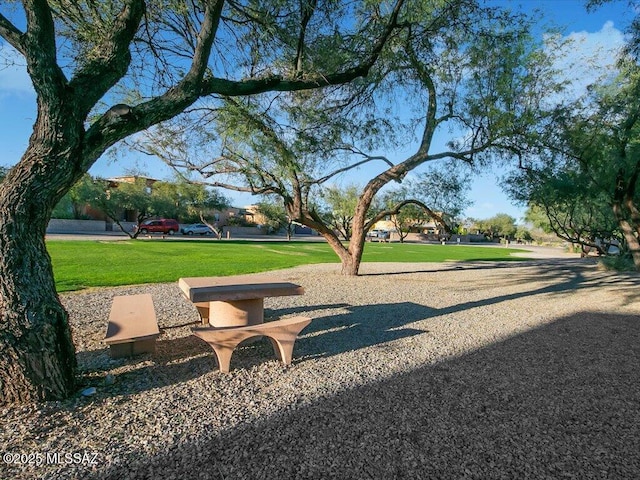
[554, 402]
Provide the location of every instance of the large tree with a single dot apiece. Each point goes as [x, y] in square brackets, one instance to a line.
[102, 71]
[500, 225]
[587, 173]
[454, 66]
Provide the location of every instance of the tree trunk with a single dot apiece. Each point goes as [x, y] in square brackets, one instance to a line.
[632, 243]
[629, 234]
[351, 262]
[349, 257]
[37, 356]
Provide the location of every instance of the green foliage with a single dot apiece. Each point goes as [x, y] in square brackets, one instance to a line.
[500, 225]
[276, 217]
[537, 217]
[189, 202]
[134, 196]
[585, 176]
[523, 234]
[340, 205]
[178, 199]
[82, 194]
[444, 188]
[618, 263]
[239, 221]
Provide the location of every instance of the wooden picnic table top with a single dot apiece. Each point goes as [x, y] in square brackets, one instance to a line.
[238, 287]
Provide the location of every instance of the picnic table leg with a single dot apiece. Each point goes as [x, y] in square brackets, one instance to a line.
[224, 358]
[236, 313]
[283, 350]
[203, 311]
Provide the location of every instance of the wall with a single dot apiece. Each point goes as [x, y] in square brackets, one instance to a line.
[242, 231]
[59, 225]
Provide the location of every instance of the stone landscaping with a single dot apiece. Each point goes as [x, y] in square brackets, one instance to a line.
[475, 370]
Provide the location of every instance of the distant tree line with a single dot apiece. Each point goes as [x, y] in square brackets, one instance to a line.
[188, 202]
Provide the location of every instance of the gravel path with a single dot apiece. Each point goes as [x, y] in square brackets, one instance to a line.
[479, 371]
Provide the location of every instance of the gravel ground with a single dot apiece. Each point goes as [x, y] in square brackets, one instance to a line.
[476, 370]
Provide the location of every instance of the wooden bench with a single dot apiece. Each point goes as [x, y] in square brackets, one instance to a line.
[224, 340]
[132, 327]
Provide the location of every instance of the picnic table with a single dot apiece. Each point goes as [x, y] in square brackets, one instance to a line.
[234, 301]
[233, 308]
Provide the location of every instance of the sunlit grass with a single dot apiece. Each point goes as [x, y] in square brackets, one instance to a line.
[82, 264]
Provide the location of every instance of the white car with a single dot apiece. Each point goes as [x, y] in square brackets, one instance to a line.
[196, 229]
[379, 235]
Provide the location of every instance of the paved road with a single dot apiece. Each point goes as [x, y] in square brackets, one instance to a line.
[115, 236]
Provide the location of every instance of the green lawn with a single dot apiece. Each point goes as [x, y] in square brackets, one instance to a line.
[82, 264]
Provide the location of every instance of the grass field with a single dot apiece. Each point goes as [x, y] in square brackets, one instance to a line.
[82, 264]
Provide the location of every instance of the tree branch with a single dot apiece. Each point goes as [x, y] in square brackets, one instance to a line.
[232, 88]
[11, 34]
[39, 49]
[350, 167]
[396, 209]
[307, 8]
[99, 74]
[109, 128]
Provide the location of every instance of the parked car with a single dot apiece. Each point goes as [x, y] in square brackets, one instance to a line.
[378, 235]
[196, 229]
[161, 225]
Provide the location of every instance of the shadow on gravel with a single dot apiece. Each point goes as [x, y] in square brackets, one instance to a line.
[470, 265]
[556, 402]
[577, 275]
[162, 368]
[274, 313]
[182, 359]
[349, 327]
[562, 275]
[360, 327]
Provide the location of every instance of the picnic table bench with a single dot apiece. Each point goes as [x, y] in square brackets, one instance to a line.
[132, 327]
[282, 333]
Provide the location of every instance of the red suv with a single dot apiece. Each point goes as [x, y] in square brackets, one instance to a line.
[162, 225]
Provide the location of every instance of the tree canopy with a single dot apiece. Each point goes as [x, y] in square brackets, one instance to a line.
[103, 71]
[458, 66]
[585, 176]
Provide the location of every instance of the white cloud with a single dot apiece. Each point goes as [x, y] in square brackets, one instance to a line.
[583, 58]
[14, 79]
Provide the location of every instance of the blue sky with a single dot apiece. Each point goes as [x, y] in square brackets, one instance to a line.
[596, 32]
[599, 32]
